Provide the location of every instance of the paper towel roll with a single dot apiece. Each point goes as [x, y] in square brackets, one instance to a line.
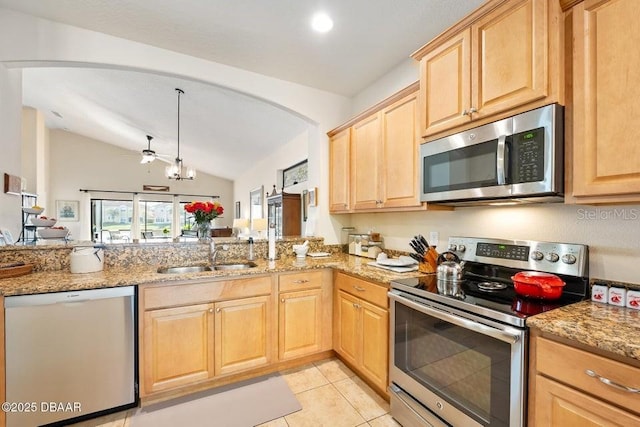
[272, 243]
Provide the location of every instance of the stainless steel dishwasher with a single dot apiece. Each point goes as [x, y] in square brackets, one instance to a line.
[69, 355]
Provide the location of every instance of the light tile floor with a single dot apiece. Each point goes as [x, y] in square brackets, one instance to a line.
[330, 395]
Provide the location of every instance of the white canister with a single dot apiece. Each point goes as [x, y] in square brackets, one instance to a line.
[633, 299]
[87, 259]
[617, 296]
[600, 293]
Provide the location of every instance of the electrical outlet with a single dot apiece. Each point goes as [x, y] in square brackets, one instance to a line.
[434, 237]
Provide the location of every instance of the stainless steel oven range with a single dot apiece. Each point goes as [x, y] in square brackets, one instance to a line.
[460, 358]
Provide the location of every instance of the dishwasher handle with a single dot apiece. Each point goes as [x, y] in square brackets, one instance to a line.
[67, 297]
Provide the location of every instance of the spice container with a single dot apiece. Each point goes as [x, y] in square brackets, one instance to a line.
[600, 293]
[618, 296]
[633, 299]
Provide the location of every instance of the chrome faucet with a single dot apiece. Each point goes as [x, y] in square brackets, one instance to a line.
[213, 252]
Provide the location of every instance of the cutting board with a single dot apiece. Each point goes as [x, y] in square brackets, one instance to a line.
[396, 269]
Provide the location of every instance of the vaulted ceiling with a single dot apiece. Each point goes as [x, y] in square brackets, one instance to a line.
[369, 38]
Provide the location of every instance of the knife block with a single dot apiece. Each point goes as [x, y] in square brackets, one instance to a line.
[430, 263]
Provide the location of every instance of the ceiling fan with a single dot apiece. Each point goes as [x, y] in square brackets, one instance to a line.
[148, 155]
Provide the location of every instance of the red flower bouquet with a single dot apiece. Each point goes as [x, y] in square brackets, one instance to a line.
[204, 211]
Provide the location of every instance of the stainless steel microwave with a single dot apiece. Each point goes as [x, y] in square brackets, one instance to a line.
[517, 159]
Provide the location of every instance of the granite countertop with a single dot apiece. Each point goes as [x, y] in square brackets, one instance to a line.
[602, 326]
[63, 280]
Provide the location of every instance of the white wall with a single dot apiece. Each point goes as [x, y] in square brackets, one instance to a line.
[29, 41]
[10, 144]
[401, 76]
[77, 162]
[264, 173]
[35, 154]
[612, 232]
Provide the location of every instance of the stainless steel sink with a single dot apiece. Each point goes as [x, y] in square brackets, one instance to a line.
[184, 269]
[235, 266]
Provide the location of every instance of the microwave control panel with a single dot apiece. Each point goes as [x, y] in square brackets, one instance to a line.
[528, 154]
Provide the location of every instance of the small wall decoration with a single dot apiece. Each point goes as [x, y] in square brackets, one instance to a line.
[12, 184]
[67, 210]
[313, 196]
[256, 203]
[146, 187]
[295, 174]
[238, 212]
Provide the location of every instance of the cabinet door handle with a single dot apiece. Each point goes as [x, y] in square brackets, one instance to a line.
[211, 310]
[358, 288]
[610, 383]
[473, 110]
[300, 281]
[282, 300]
[356, 305]
[218, 310]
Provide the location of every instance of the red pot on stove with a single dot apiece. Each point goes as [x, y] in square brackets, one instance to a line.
[536, 284]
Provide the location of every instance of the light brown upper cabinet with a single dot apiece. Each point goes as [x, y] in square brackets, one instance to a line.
[606, 60]
[400, 167]
[366, 158]
[381, 146]
[339, 158]
[502, 58]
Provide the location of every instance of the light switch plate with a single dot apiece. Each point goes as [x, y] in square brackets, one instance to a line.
[434, 237]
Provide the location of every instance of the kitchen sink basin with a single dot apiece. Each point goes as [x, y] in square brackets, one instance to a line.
[184, 269]
[235, 266]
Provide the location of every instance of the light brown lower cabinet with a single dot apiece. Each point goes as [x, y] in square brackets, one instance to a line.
[562, 393]
[243, 333]
[304, 313]
[361, 328]
[559, 405]
[178, 346]
[200, 333]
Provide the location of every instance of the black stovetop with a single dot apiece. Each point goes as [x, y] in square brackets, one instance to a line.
[502, 305]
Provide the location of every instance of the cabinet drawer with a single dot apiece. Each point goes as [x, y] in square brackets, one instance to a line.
[298, 281]
[370, 292]
[568, 365]
[195, 293]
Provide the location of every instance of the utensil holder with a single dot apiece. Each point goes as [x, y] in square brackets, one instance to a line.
[430, 263]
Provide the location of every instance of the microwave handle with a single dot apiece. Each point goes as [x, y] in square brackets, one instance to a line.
[501, 160]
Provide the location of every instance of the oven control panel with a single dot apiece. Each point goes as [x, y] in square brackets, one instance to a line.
[504, 251]
[552, 257]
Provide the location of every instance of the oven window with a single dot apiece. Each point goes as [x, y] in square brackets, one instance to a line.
[467, 167]
[468, 369]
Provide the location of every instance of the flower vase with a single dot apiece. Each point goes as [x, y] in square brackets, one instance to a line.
[204, 231]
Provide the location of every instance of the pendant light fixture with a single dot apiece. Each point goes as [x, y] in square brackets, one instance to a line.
[148, 155]
[176, 170]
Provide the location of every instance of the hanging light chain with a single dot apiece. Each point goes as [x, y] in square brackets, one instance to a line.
[175, 171]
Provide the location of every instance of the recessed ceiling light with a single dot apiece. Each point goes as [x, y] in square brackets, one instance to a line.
[321, 22]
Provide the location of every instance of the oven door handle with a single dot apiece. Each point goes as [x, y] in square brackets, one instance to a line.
[500, 160]
[471, 325]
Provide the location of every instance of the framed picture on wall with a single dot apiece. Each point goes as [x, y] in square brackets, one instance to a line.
[256, 203]
[313, 196]
[238, 212]
[67, 210]
[295, 174]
